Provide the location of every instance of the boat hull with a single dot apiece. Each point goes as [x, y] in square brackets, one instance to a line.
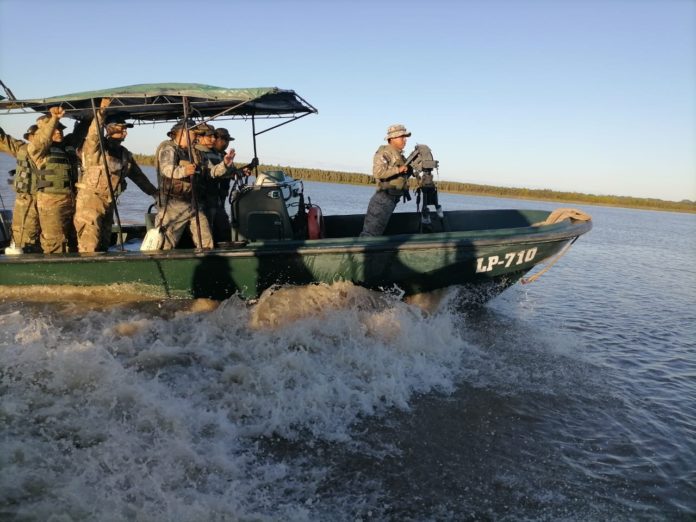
[488, 259]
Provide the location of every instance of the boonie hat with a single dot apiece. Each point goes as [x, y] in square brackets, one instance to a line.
[31, 130]
[205, 130]
[396, 131]
[223, 134]
[180, 125]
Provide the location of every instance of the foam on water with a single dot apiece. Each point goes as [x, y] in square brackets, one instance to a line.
[129, 414]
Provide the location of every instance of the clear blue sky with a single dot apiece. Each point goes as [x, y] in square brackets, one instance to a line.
[579, 95]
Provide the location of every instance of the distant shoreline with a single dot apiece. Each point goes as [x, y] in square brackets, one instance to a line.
[471, 189]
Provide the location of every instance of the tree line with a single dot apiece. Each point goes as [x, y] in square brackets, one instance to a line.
[472, 189]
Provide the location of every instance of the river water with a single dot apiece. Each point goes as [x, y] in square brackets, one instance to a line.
[572, 398]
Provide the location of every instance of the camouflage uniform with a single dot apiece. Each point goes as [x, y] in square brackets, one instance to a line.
[176, 198]
[25, 216]
[94, 212]
[390, 184]
[56, 177]
[214, 195]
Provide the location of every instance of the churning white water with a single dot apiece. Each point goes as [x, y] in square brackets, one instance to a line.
[156, 413]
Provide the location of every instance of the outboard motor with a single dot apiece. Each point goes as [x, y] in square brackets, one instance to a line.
[269, 209]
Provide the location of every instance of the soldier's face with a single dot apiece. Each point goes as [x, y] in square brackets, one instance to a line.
[220, 144]
[207, 141]
[57, 135]
[119, 135]
[399, 143]
[184, 139]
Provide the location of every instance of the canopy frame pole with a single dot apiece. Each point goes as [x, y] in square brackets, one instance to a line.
[194, 196]
[253, 135]
[105, 165]
[281, 124]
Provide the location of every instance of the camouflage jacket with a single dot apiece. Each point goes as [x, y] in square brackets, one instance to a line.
[119, 161]
[386, 163]
[9, 144]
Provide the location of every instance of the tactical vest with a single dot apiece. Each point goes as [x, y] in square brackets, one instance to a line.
[178, 188]
[59, 174]
[24, 182]
[395, 185]
[94, 178]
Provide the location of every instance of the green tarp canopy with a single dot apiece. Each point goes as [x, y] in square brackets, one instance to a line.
[164, 101]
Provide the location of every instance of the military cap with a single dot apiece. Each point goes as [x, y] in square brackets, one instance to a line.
[223, 134]
[118, 118]
[116, 123]
[31, 130]
[396, 131]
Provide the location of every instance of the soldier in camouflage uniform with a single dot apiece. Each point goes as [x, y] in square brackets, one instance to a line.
[25, 216]
[56, 160]
[212, 148]
[94, 212]
[177, 172]
[391, 174]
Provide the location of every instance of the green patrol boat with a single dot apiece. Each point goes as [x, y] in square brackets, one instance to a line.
[485, 250]
[280, 240]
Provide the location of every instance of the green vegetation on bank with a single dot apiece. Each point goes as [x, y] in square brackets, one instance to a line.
[456, 187]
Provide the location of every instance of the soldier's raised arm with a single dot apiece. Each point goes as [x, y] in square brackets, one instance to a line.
[9, 144]
[43, 137]
[91, 151]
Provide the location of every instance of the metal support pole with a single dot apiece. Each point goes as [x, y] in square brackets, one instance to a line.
[105, 164]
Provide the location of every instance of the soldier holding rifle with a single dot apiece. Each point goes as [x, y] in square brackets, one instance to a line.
[182, 171]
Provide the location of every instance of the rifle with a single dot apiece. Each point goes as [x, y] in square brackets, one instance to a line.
[194, 196]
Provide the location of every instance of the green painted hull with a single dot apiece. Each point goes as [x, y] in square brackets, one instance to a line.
[486, 250]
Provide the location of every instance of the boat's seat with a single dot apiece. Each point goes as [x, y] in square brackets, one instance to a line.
[259, 212]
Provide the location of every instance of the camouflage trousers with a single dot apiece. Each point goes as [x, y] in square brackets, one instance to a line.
[56, 221]
[25, 223]
[94, 216]
[379, 210]
[175, 216]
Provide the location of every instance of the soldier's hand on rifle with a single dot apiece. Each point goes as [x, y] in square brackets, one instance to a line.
[57, 112]
[189, 168]
[229, 157]
[403, 169]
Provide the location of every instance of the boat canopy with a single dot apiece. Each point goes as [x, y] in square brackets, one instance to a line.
[156, 102]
